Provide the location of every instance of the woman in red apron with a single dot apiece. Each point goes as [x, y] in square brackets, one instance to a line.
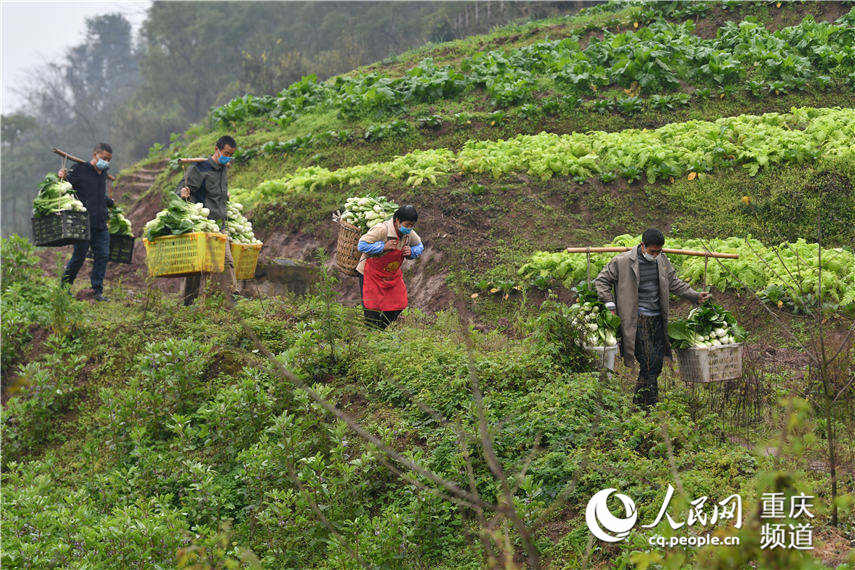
[384, 248]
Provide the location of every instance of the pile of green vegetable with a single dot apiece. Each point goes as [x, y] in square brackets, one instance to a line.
[180, 217]
[367, 211]
[706, 326]
[55, 196]
[118, 224]
[597, 325]
[237, 226]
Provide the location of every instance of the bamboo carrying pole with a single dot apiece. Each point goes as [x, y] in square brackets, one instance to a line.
[664, 250]
[75, 159]
[619, 249]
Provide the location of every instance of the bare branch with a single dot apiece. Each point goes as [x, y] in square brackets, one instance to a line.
[296, 479]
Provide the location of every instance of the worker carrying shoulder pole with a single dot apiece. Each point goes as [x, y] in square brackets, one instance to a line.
[89, 180]
[381, 280]
[208, 183]
[636, 285]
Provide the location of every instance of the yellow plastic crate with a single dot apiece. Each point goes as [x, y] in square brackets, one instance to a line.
[185, 254]
[245, 257]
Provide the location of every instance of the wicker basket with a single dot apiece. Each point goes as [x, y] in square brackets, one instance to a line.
[185, 254]
[62, 228]
[121, 249]
[346, 254]
[712, 364]
[245, 257]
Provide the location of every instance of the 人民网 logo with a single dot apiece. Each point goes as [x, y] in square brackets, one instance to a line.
[601, 521]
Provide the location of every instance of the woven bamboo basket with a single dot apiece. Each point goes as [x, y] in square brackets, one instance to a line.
[346, 254]
[712, 364]
[185, 254]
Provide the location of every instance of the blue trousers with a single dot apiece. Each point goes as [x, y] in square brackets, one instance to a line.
[99, 241]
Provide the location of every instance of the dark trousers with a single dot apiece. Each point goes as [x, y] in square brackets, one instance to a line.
[376, 319]
[649, 352]
[99, 241]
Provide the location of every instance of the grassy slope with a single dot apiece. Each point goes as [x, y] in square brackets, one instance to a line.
[131, 443]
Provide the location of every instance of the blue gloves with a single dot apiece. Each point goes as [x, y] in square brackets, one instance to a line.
[377, 247]
[416, 250]
[370, 248]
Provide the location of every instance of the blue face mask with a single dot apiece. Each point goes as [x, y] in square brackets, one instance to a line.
[102, 164]
[225, 160]
[405, 230]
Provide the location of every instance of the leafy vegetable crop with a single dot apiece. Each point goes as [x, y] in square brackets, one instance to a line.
[749, 141]
[180, 217]
[367, 211]
[118, 224]
[658, 58]
[237, 226]
[786, 274]
[706, 326]
[55, 196]
[598, 325]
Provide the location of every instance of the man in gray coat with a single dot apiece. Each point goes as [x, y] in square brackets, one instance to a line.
[208, 183]
[636, 286]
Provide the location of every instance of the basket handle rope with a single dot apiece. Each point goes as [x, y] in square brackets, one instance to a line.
[184, 183]
[63, 163]
[706, 262]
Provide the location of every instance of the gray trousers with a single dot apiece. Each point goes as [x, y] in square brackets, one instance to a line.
[224, 281]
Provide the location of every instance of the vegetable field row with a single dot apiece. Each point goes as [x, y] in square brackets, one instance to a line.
[750, 141]
[663, 57]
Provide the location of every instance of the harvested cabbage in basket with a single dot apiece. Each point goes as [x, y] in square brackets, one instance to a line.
[55, 196]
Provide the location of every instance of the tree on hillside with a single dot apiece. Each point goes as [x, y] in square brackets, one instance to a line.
[102, 72]
[70, 103]
[190, 51]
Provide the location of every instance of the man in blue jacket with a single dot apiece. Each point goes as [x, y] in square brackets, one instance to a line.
[89, 180]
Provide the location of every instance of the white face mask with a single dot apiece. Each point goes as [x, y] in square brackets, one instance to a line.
[647, 256]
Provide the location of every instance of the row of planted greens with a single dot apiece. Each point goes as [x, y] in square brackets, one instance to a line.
[664, 57]
[676, 149]
[785, 274]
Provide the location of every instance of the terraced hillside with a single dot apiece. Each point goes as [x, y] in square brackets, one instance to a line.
[150, 434]
[694, 62]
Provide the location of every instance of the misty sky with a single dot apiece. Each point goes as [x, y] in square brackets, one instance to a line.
[38, 32]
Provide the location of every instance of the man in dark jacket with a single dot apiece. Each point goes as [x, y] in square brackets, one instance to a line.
[89, 180]
[208, 183]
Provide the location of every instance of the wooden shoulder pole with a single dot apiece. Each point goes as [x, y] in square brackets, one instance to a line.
[75, 159]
